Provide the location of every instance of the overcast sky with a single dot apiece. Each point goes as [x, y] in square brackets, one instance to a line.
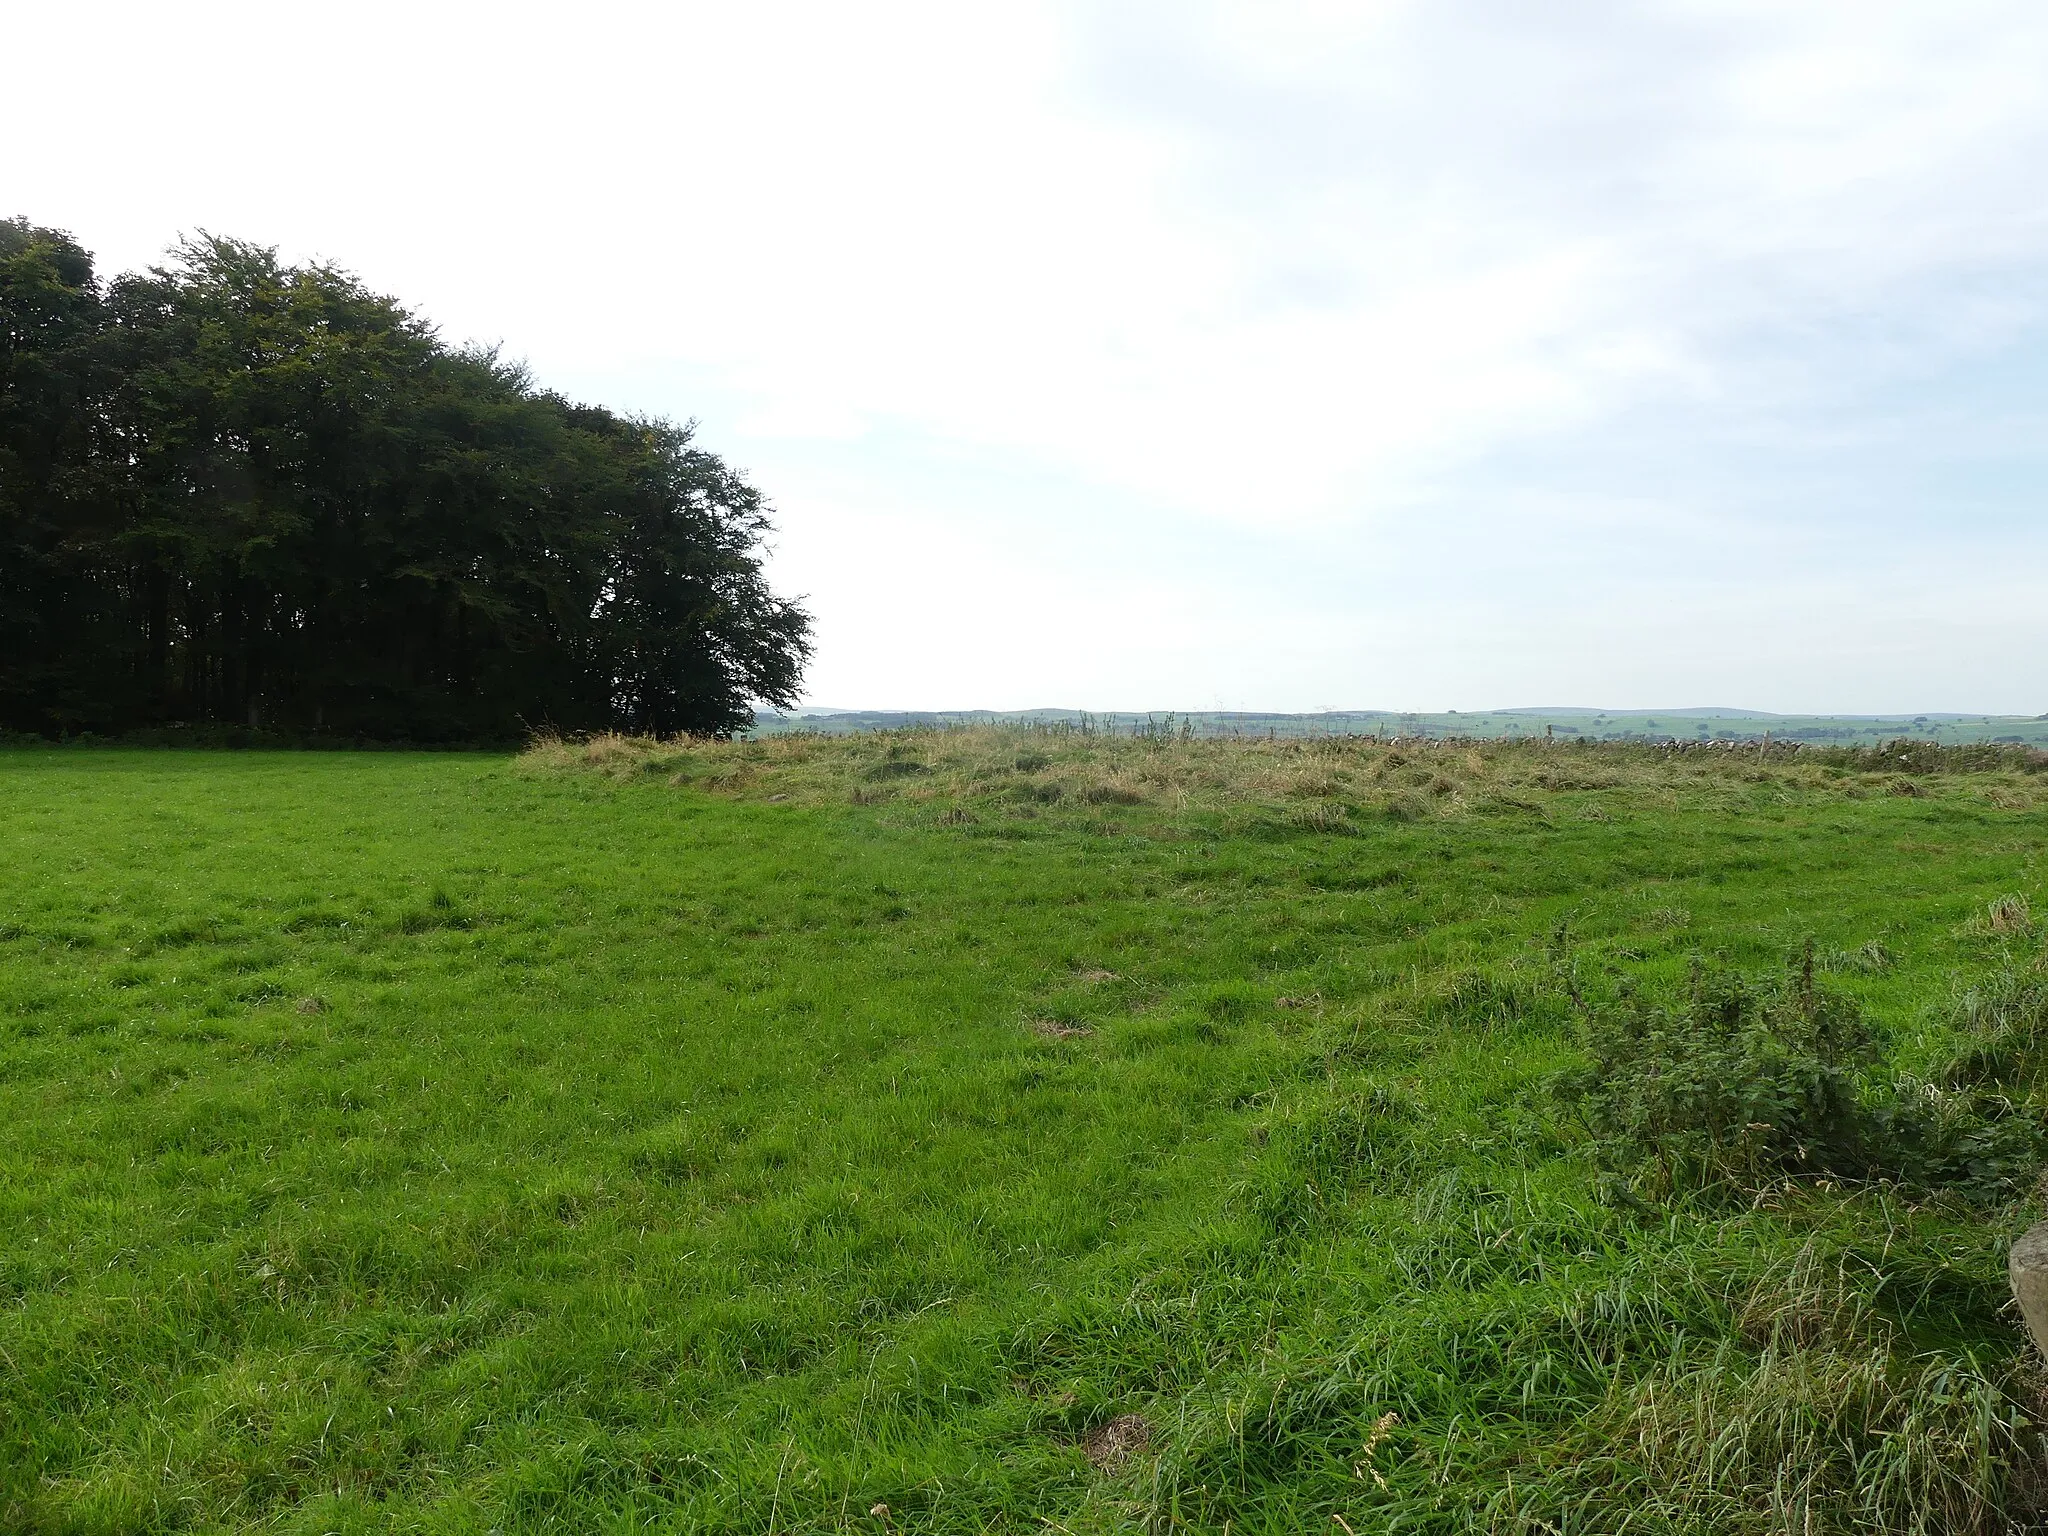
[1250, 355]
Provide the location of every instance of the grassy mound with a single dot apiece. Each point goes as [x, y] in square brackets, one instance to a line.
[1329, 784]
[979, 1130]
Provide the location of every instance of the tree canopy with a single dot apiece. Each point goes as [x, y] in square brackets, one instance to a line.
[238, 491]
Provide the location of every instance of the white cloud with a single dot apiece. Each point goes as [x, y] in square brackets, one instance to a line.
[1146, 354]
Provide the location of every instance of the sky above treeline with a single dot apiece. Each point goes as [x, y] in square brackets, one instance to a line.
[1254, 356]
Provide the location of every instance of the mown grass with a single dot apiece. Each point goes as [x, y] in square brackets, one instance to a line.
[841, 1134]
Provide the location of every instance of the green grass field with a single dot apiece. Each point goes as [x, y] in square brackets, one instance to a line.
[964, 1132]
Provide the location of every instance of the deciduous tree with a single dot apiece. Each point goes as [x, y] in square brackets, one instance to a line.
[235, 490]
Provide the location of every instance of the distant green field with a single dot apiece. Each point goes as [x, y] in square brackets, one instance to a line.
[965, 1135]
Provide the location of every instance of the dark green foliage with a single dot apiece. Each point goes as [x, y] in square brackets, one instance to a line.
[1971, 1123]
[1743, 1081]
[1736, 1081]
[1980, 1145]
[238, 492]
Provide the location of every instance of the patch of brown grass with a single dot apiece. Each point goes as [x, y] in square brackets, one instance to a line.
[1054, 1029]
[1115, 1444]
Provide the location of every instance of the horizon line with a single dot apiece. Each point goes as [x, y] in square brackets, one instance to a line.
[1692, 712]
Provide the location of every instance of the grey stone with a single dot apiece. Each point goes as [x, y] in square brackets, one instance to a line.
[2028, 1267]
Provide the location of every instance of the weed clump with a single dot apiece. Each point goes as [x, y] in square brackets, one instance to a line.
[1737, 1082]
[1744, 1082]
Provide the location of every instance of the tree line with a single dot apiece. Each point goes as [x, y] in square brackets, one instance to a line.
[235, 491]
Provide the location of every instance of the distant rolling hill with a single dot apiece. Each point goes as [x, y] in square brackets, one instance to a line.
[1696, 724]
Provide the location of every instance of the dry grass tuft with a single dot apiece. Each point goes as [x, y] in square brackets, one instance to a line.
[2009, 915]
[1056, 1029]
[1115, 1444]
[1834, 1423]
